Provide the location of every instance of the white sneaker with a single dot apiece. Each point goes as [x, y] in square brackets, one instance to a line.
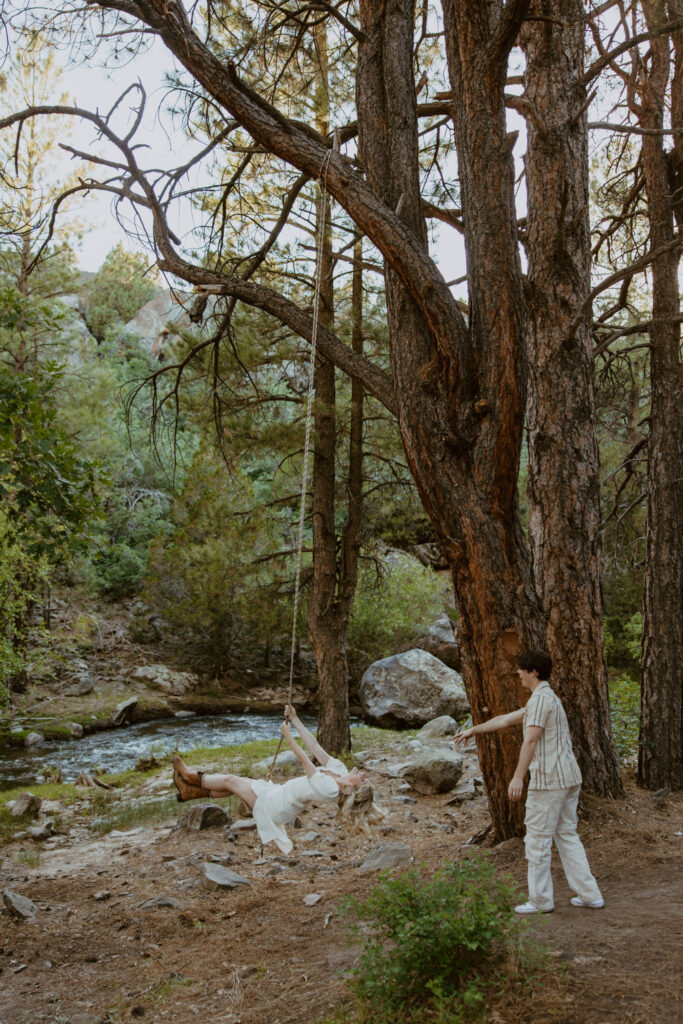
[531, 908]
[576, 901]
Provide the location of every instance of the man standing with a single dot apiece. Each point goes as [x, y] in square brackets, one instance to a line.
[554, 787]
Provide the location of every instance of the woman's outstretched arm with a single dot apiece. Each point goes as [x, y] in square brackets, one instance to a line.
[301, 755]
[308, 737]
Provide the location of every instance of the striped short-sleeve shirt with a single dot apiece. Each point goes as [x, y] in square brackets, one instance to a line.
[553, 765]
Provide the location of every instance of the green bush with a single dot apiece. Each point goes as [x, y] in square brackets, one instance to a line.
[431, 943]
[391, 610]
[624, 701]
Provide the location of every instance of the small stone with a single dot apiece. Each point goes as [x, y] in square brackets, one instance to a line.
[243, 824]
[215, 877]
[26, 803]
[204, 816]
[102, 895]
[312, 898]
[403, 799]
[307, 837]
[276, 869]
[38, 833]
[185, 714]
[462, 792]
[168, 857]
[35, 739]
[387, 855]
[221, 858]
[75, 730]
[19, 906]
[158, 901]
[123, 712]
[84, 686]
[312, 853]
[444, 725]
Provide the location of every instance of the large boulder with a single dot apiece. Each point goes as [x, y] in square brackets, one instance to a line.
[26, 804]
[436, 772]
[410, 689]
[160, 677]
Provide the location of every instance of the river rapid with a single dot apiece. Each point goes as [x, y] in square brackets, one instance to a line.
[117, 750]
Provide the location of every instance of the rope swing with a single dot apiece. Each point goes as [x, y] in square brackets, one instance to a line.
[307, 437]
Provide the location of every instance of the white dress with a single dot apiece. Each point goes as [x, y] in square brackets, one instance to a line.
[279, 803]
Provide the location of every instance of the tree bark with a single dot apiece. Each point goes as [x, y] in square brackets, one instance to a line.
[660, 758]
[334, 567]
[564, 485]
[461, 418]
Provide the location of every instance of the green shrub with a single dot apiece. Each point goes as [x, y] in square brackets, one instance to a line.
[390, 611]
[624, 701]
[429, 943]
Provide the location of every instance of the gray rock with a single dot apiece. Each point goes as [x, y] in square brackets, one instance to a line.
[243, 824]
[185, 714]
[411, 689]
[442, 630]
[307, 837]
[215, 877]
[159, 901]
[203, 816]
[43, 831]
[35, 739]
[464, 791]
[102, 895]
[387, 855]
[75, 730]
[26, 804]
[435, 772]
[166, 680]
[124, 711]
[284, 757]
[311, 898]
[444, 725]
[20, 907]
[83, 686]
[149, 323]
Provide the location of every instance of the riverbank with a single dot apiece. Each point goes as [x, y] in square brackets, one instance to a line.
[127, 929]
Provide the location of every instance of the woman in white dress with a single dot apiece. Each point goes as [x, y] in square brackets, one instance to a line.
[275, 805]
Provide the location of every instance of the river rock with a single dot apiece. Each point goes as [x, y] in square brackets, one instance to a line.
[124, 711]
[203, 816]
[387, 855]
[161, 677]
[75, 730]
[19, 907]
[435, 772]
[444, 725]
[26, 803]
[215, 877]
[38, 833]
[464, 791]
[34, 739]
[411, 689]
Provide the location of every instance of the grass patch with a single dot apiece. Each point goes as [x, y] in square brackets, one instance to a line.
[132, 813]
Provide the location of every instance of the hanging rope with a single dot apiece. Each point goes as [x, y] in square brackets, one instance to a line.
[307, 436]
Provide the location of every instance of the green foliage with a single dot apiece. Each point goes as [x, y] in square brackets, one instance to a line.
[21, 577]
[51, 490]
[117, 291]
[213, 577]
[624, 700]
[430, 942]
[390, 610]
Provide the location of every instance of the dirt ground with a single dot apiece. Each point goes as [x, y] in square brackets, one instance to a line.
[260, 955]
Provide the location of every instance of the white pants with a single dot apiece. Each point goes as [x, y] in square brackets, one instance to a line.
[551, 814]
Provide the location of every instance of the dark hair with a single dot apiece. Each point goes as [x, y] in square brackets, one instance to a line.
[536, 661]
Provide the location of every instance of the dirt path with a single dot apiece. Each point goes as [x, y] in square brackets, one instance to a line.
[259, 955]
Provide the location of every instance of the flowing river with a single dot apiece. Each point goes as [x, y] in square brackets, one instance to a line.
[119, 749]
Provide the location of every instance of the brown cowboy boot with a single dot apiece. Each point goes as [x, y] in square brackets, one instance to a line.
[185, 773]
[186, 791]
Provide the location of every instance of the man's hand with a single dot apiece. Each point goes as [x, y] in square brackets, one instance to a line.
[515, 789]
[462, 737]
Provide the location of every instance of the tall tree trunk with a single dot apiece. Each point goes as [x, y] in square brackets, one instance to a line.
[334, 567]
[564, 484]
[660, 758]
[461, 419]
